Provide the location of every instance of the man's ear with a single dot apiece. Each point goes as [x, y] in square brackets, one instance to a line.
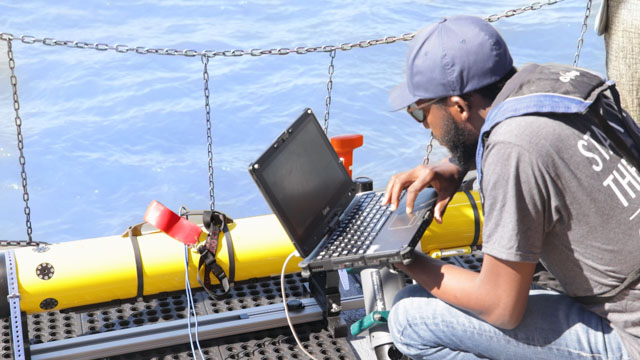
[458, 108]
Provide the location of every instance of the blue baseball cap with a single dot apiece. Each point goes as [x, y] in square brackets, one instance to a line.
[454, 56]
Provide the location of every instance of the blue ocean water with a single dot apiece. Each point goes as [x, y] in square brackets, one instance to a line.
[106, 133]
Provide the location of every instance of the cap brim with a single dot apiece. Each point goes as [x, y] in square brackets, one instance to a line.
[400, 97]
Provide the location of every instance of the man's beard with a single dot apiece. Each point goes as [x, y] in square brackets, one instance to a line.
[460, 142]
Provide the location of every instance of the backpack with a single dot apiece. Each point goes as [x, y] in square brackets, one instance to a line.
[561, 89]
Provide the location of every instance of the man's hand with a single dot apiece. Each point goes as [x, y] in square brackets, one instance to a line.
[445, 177]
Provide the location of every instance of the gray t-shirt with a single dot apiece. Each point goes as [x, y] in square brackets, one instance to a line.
[555, 191]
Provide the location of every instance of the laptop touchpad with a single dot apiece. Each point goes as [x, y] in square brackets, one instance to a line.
[400, 219]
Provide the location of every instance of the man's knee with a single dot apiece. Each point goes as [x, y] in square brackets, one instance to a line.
[409, 318]
[422, 324]
[402, 304]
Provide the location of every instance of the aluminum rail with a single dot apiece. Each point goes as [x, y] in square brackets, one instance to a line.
[175, 332]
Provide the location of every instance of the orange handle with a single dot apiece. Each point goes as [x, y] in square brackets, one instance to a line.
[344, 146]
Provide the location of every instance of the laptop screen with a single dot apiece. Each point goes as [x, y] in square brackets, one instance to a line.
[303, 181]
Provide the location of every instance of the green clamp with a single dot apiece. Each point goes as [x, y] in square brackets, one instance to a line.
[371, 319]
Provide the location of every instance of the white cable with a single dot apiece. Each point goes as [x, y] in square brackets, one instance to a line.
[187, 286]
[190, 305]
[286, 310]
[186, 262]
[195, 317]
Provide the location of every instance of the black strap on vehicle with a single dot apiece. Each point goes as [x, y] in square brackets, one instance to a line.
[467, 186]
[133, 232]
[215, 222]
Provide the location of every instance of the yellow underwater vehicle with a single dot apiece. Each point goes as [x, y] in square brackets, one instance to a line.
[62, 276]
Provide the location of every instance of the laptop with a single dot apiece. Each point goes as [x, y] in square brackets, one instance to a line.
[330, 225]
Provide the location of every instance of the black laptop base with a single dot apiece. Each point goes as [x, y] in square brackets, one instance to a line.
[361, 261]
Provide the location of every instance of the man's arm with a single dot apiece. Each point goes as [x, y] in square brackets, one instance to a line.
[498, 294]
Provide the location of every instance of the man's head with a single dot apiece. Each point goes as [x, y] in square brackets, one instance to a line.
[454, 70]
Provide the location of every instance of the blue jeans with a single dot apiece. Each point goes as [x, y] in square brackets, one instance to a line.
[554, 326]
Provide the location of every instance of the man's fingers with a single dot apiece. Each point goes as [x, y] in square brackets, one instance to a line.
[396, 190]
[415, 188]
[438, 213]
[386, 197]
[411, 199]
[387, 191]
[441, 207]
[416, 180]
[393, 190]
[412, 194]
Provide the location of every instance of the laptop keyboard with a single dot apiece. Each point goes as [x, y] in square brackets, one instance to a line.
[356, 232]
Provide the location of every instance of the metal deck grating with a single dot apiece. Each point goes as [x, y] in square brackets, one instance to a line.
[268, 344]
[7, 351]
[56, 325]
[274, 344]
[472, 261]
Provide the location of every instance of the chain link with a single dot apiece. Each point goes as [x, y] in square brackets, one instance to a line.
[21, 243]
[207, 108]
[328, 98]
[425, 161]
[142, 50]
[27, 39]
[21, 158]
[582, 32]
[517, 11]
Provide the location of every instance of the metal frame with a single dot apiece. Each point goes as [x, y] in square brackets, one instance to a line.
[15, 317]
[175, 332]
[324, 286]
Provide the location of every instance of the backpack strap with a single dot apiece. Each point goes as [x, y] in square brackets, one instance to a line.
[541, 89]
[625, 150]
[627, 154]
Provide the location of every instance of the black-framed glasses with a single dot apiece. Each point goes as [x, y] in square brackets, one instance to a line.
[417, 111]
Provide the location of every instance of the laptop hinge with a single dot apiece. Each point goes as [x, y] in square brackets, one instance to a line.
[335, 220]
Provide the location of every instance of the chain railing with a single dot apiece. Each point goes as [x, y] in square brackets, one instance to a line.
[428, 150]
[301, 50]
[21, 243]
[207, 108]
[21, 158]
[517, 11]
[327, 100]
[142, 50]
[205, 56]
[583, 30]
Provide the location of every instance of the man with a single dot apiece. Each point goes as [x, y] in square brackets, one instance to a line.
[555, 189]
